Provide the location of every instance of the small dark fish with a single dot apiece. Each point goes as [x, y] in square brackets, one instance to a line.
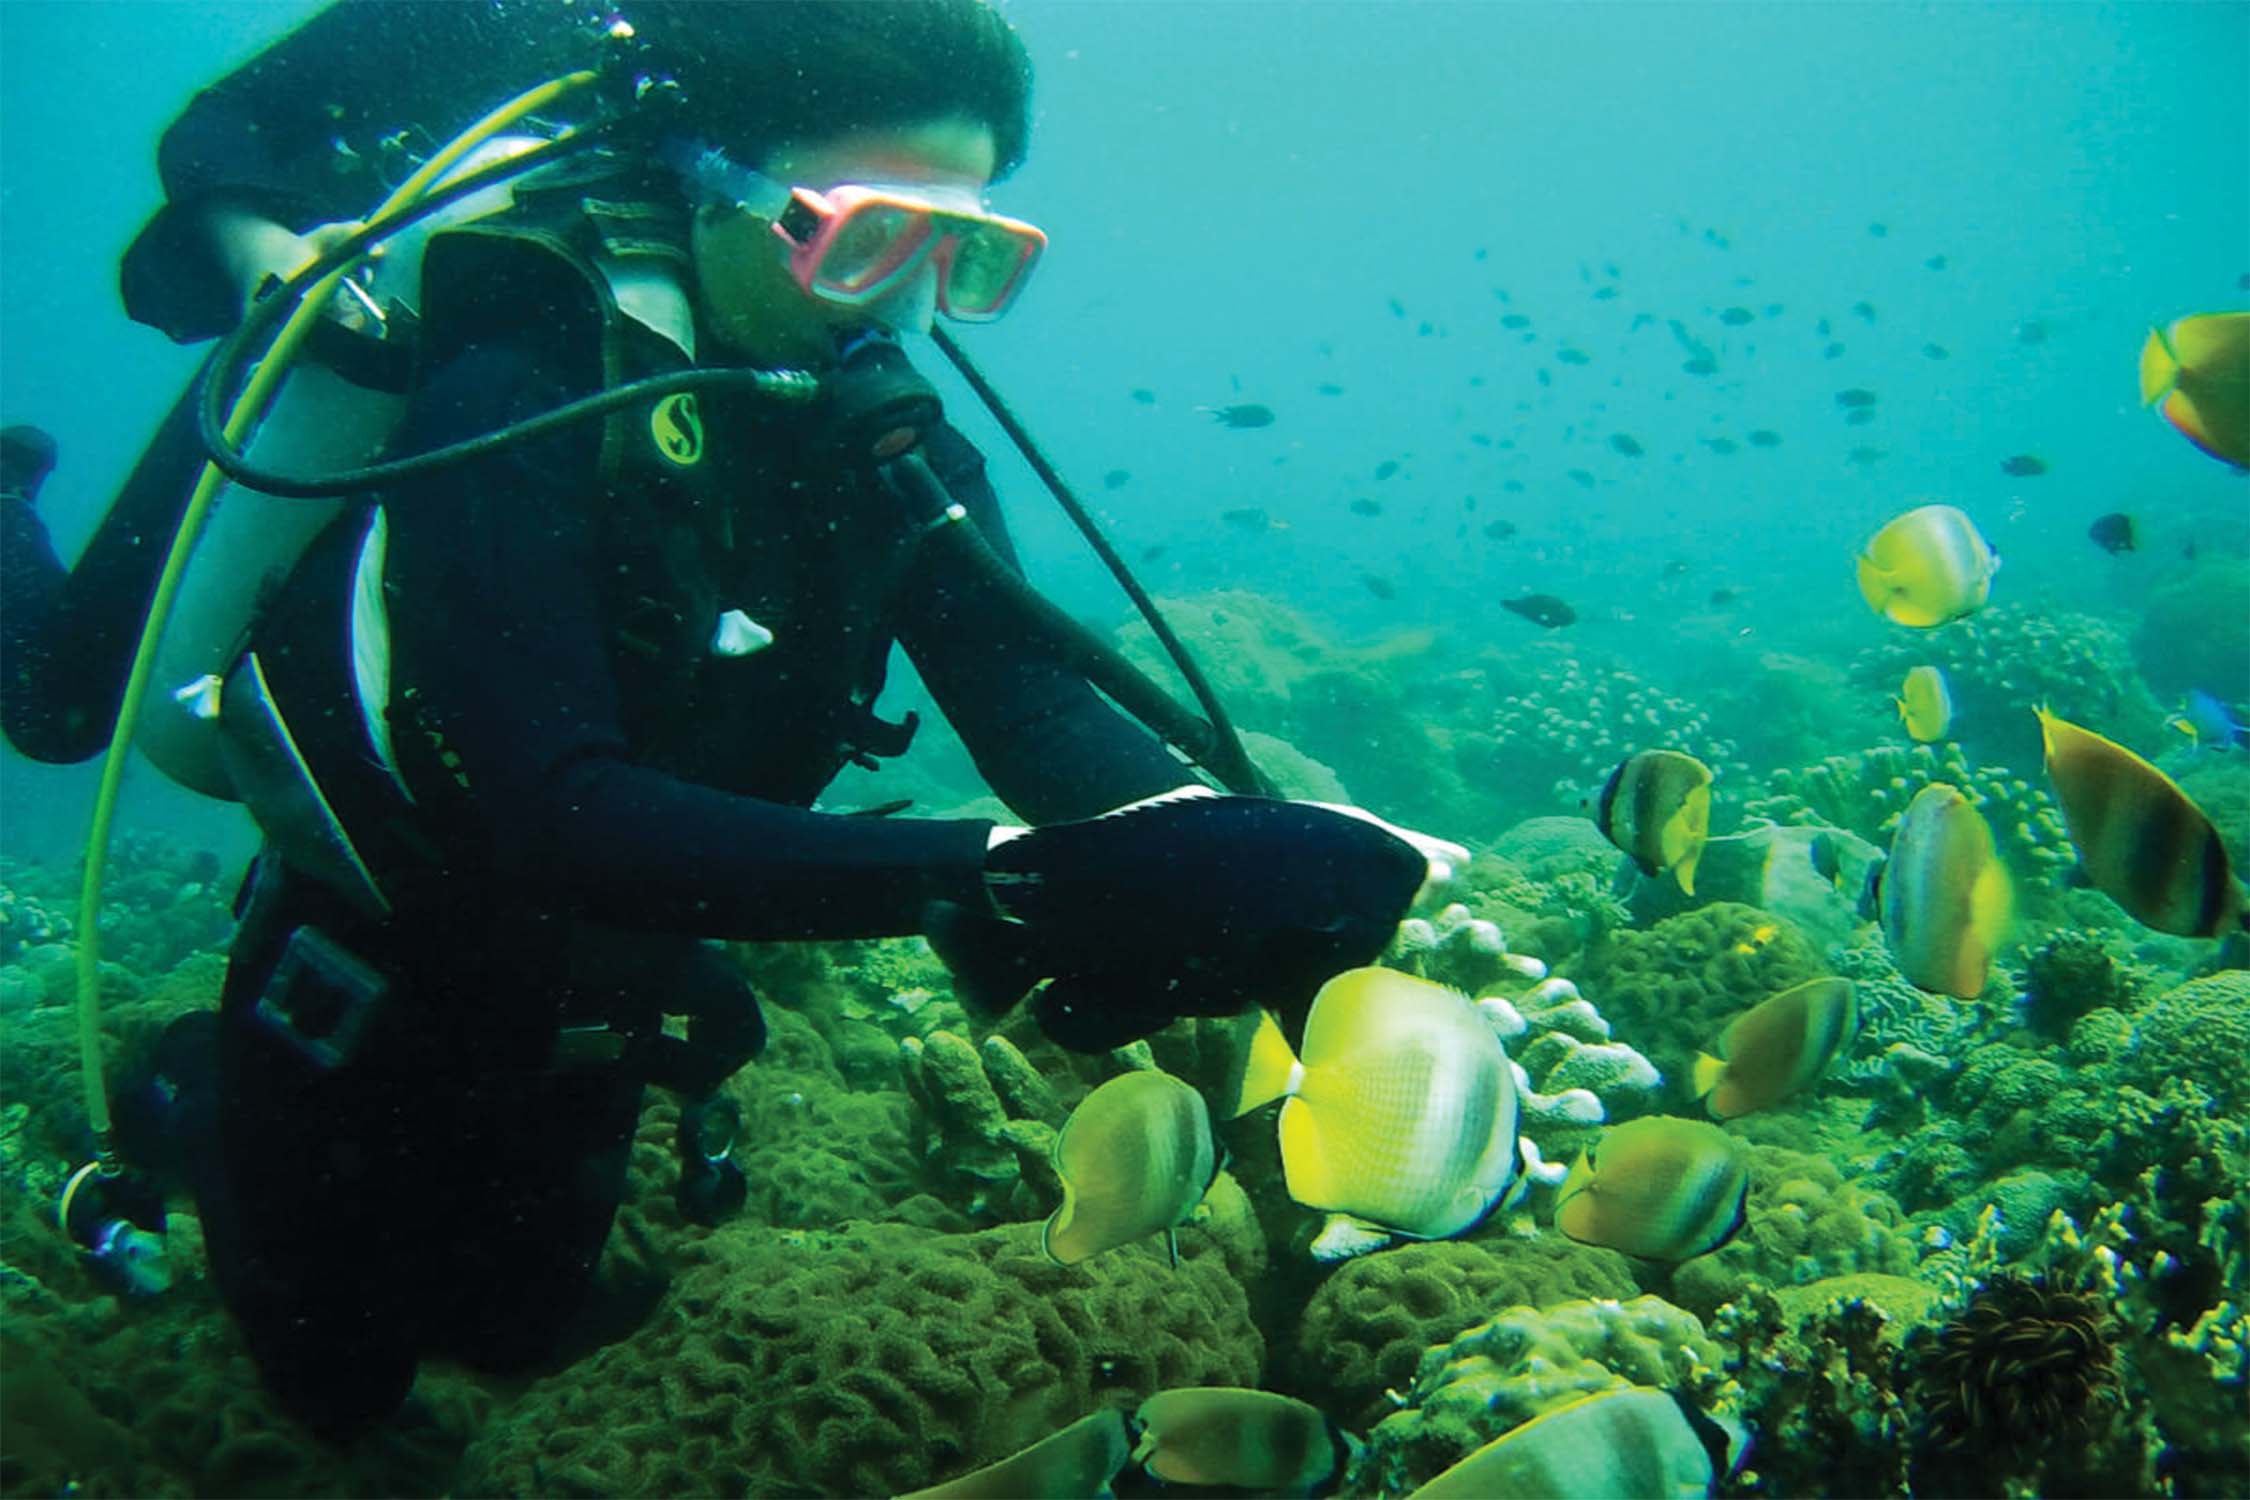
[1329, 388]
[2031, 331]
[1151, 554]
[1481, 439]
[2187, 549]
[1469, 503]
[1676, 568]
[1241, 414]
[1398, 309]
[1541, 609]
[1765, 437]
[1604, 294]
[1381, 588]
[2242, 282]
[1865, 310]
[1249, 518]
[1515, 320]
[1724, 597]
[1821, 328]
[2112, 533]
[1144, 395]
[1720, 446]
[1877, 231]
[1735, 317]
[1386, 468]
[1827, 856]
[1499, 531]
[1859, 416]
[1865, 456]
[1700, 365]
[1626, 444]
[1833, 351]
[1714, 238]
[1478, 254]
[1856, 396]
[1424, 330]
[1366, 507]
[1936, 263]
[1512, 486]
[1116, 479]
[1543, 377]
[1571, 356]
[2023, 465]
[1584, 479]
[1936, 351]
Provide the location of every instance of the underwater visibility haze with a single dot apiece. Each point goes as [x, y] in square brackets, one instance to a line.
[1768, 480]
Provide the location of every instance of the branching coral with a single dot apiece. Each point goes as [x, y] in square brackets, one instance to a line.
[1867, 791]
[2002, 662]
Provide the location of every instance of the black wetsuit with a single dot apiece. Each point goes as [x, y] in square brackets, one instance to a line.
[594, 790]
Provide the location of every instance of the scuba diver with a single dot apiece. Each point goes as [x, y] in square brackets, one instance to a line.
[529, 731]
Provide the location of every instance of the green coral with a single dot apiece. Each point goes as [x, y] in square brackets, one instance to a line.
[1527, 1361]
[2004, 661]
[1671, 989]
[1363, 1332]
[869, 1361]
[2200, 1032]
[2073, 972]
[1821, 1387]
[1804, 1223]
[2192, 631]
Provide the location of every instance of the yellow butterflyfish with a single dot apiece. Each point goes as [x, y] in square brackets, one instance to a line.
[1927, 567]
[1656, 806]
[1778, 1047]
[1924, 705]
[1945, 898]
[2199, 370]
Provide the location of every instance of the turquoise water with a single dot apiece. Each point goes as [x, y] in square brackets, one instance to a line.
[1330, 210]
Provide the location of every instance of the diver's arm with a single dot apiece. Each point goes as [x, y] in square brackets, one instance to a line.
[1048, 745]
[492, 583]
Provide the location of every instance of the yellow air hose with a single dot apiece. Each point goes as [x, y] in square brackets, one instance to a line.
[255, 395]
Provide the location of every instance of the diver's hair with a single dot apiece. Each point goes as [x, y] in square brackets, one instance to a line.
[761, 74]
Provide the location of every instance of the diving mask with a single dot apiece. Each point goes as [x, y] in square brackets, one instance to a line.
[858, 243]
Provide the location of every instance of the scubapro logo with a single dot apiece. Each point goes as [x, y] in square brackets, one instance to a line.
[678, 429]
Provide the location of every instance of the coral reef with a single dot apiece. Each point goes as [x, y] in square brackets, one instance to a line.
[2020, 1371]
[1563, 719]
[1363, 1332]
[2191, 632]
[2002, 662]
[1778, 868]
[989, 1124]
[868, 1361]
[1821, 1385]
[1805, 1224]
[1866, 791]
[2071, 973]
[1673, 988]
[1522, 1363]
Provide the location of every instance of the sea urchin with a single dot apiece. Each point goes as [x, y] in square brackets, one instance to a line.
[2022, 1365]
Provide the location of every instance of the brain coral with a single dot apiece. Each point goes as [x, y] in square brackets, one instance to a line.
[2201, 1032]
[1523, 1363]
[866, 1362]
[1365, 1329]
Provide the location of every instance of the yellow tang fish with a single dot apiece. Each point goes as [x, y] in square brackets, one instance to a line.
[1944, 896]
[1135, 1158]
[1659, 1188]
[1402, 1112]
[1078, 1463]
[2199, 368]
[1656, 806]
[1924, 705]
[1224, 1435]
[1927, 567]
[1778, 1046]
[2142, 841]
[1633, 1440]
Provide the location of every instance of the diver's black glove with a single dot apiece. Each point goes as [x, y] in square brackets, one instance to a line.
[1186, 905]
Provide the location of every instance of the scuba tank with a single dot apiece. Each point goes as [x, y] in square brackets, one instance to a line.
[322, 420]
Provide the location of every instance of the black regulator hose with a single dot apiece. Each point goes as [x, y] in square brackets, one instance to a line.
[948, 529]
[1222, 754]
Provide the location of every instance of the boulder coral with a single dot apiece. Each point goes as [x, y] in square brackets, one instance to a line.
[867, 1361]
[1671, 989]
[1522, 1363]
[1362, 1333]
[1804, 1224]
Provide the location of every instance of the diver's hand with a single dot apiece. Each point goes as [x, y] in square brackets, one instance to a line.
[255, 251]
[1191, 904]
